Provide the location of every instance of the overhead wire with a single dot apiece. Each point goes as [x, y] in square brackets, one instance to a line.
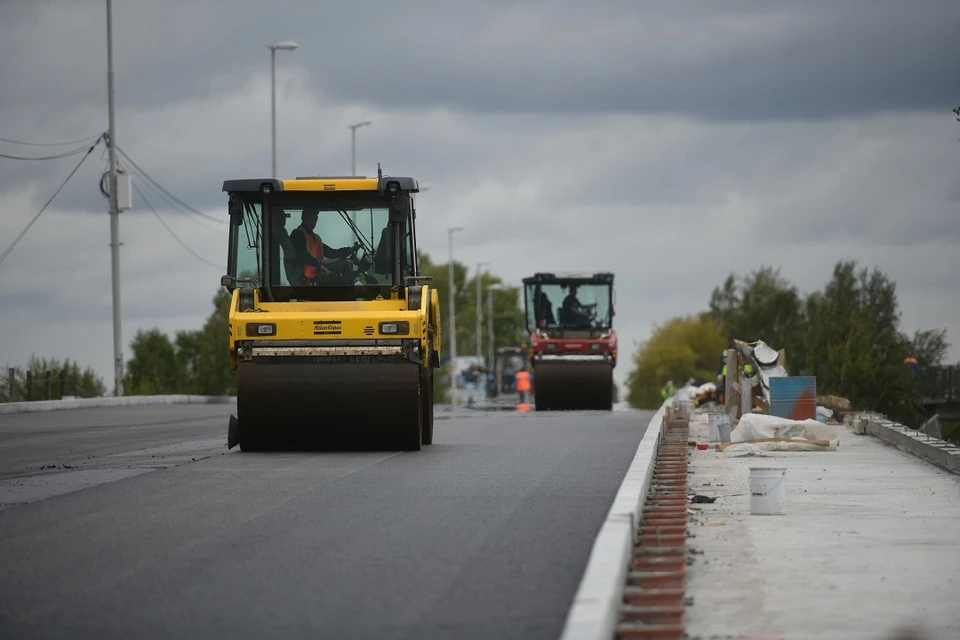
[65, 154]
[172, 233]
[160, 187]
[9, 249]
[52, 144]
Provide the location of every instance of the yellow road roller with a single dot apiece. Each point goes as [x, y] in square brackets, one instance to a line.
[334, 333]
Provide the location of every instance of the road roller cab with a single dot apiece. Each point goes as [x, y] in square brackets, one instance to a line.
[334, 333]
[573, 347]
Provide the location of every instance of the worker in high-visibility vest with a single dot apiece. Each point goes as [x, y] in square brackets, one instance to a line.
[522, 384]
[310, 249]
[667, 390]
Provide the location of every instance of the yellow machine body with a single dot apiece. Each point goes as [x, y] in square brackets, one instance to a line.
[343, 358]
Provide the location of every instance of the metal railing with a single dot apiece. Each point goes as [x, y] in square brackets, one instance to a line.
[36, 387]
[939, 384]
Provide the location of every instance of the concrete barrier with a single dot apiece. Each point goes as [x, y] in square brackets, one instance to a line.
[596, 605]
[110, 401]
[940, 452]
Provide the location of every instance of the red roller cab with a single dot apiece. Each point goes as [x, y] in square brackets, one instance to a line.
[573, 347]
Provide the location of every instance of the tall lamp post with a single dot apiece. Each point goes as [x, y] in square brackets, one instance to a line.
[480, 266]
[114, 214]
[453, 319]
[280, 46]
[490, 290]
[353, 144]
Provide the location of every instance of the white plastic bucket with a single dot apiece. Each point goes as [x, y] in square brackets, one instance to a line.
[768, 491]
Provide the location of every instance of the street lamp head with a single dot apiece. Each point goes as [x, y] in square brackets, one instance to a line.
[359, 124]
[452, 229]
[283, 46]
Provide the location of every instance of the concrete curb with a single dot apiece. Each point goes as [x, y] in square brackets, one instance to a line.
[939, 452]
[124, 401]
[596, 605]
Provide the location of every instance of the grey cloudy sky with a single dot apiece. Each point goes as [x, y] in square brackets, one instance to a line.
[671, 143]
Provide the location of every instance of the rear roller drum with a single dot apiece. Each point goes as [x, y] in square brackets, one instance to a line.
[573, 386]
[352, 405]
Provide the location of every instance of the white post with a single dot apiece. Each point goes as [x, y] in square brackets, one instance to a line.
[479, 330]
[353, 144]
[273, 112]
[490, 341]
[453, 318]
[282, 46]
[114, 214]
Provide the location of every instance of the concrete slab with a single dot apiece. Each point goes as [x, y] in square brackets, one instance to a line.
[868, 546]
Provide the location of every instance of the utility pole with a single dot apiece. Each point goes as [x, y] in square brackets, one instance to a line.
[453, 318]
[480, 265]
[353, 144]
[114, 214]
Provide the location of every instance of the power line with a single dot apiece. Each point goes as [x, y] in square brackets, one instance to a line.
[175, 236]
[172, 203]
[161, 188]
[65, 154]
[47, 204]
[51, 144]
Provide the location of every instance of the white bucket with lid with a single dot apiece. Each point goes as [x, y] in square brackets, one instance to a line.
[768, 491]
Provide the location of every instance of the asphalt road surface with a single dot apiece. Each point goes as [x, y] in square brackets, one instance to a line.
[136, 522]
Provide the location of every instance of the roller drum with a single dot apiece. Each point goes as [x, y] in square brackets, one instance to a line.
[365, 406]
[573, 386]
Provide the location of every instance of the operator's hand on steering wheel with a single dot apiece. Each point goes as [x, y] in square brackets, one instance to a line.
[323, 271]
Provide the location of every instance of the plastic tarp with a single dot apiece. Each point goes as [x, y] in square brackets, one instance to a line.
[761, 432]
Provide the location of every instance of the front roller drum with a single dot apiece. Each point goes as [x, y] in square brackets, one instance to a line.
[573, 386]
[358, 406]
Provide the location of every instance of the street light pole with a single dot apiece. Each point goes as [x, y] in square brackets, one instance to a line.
[114, 214]
[453, 318]
[282, 46]
[480, 265]
[490, 290]
[353, 144]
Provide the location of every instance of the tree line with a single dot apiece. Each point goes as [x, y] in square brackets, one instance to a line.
[847, 335]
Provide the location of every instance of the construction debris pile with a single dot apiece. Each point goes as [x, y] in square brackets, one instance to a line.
[756, 405]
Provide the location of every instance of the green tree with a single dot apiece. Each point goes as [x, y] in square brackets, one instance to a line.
[929, 347]
[205, 353]
[154, 368]
[855, 347]
[761, 306]
[509, 324]
[680, 349]
[79, 383]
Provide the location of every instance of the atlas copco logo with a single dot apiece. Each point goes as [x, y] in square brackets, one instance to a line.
[326, 327]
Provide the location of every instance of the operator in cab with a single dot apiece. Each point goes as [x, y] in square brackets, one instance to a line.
[573, 311]
[310, 251]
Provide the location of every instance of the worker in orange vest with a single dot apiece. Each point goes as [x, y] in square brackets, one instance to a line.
[310, 248]
[522, 384]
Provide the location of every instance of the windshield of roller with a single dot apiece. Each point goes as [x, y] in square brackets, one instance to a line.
[568, 306]
[319, 240]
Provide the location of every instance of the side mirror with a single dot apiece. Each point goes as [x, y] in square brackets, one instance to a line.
[235, 209]
[228, 281]
[400, 208]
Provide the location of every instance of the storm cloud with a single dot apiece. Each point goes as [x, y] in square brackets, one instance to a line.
[670, 144]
